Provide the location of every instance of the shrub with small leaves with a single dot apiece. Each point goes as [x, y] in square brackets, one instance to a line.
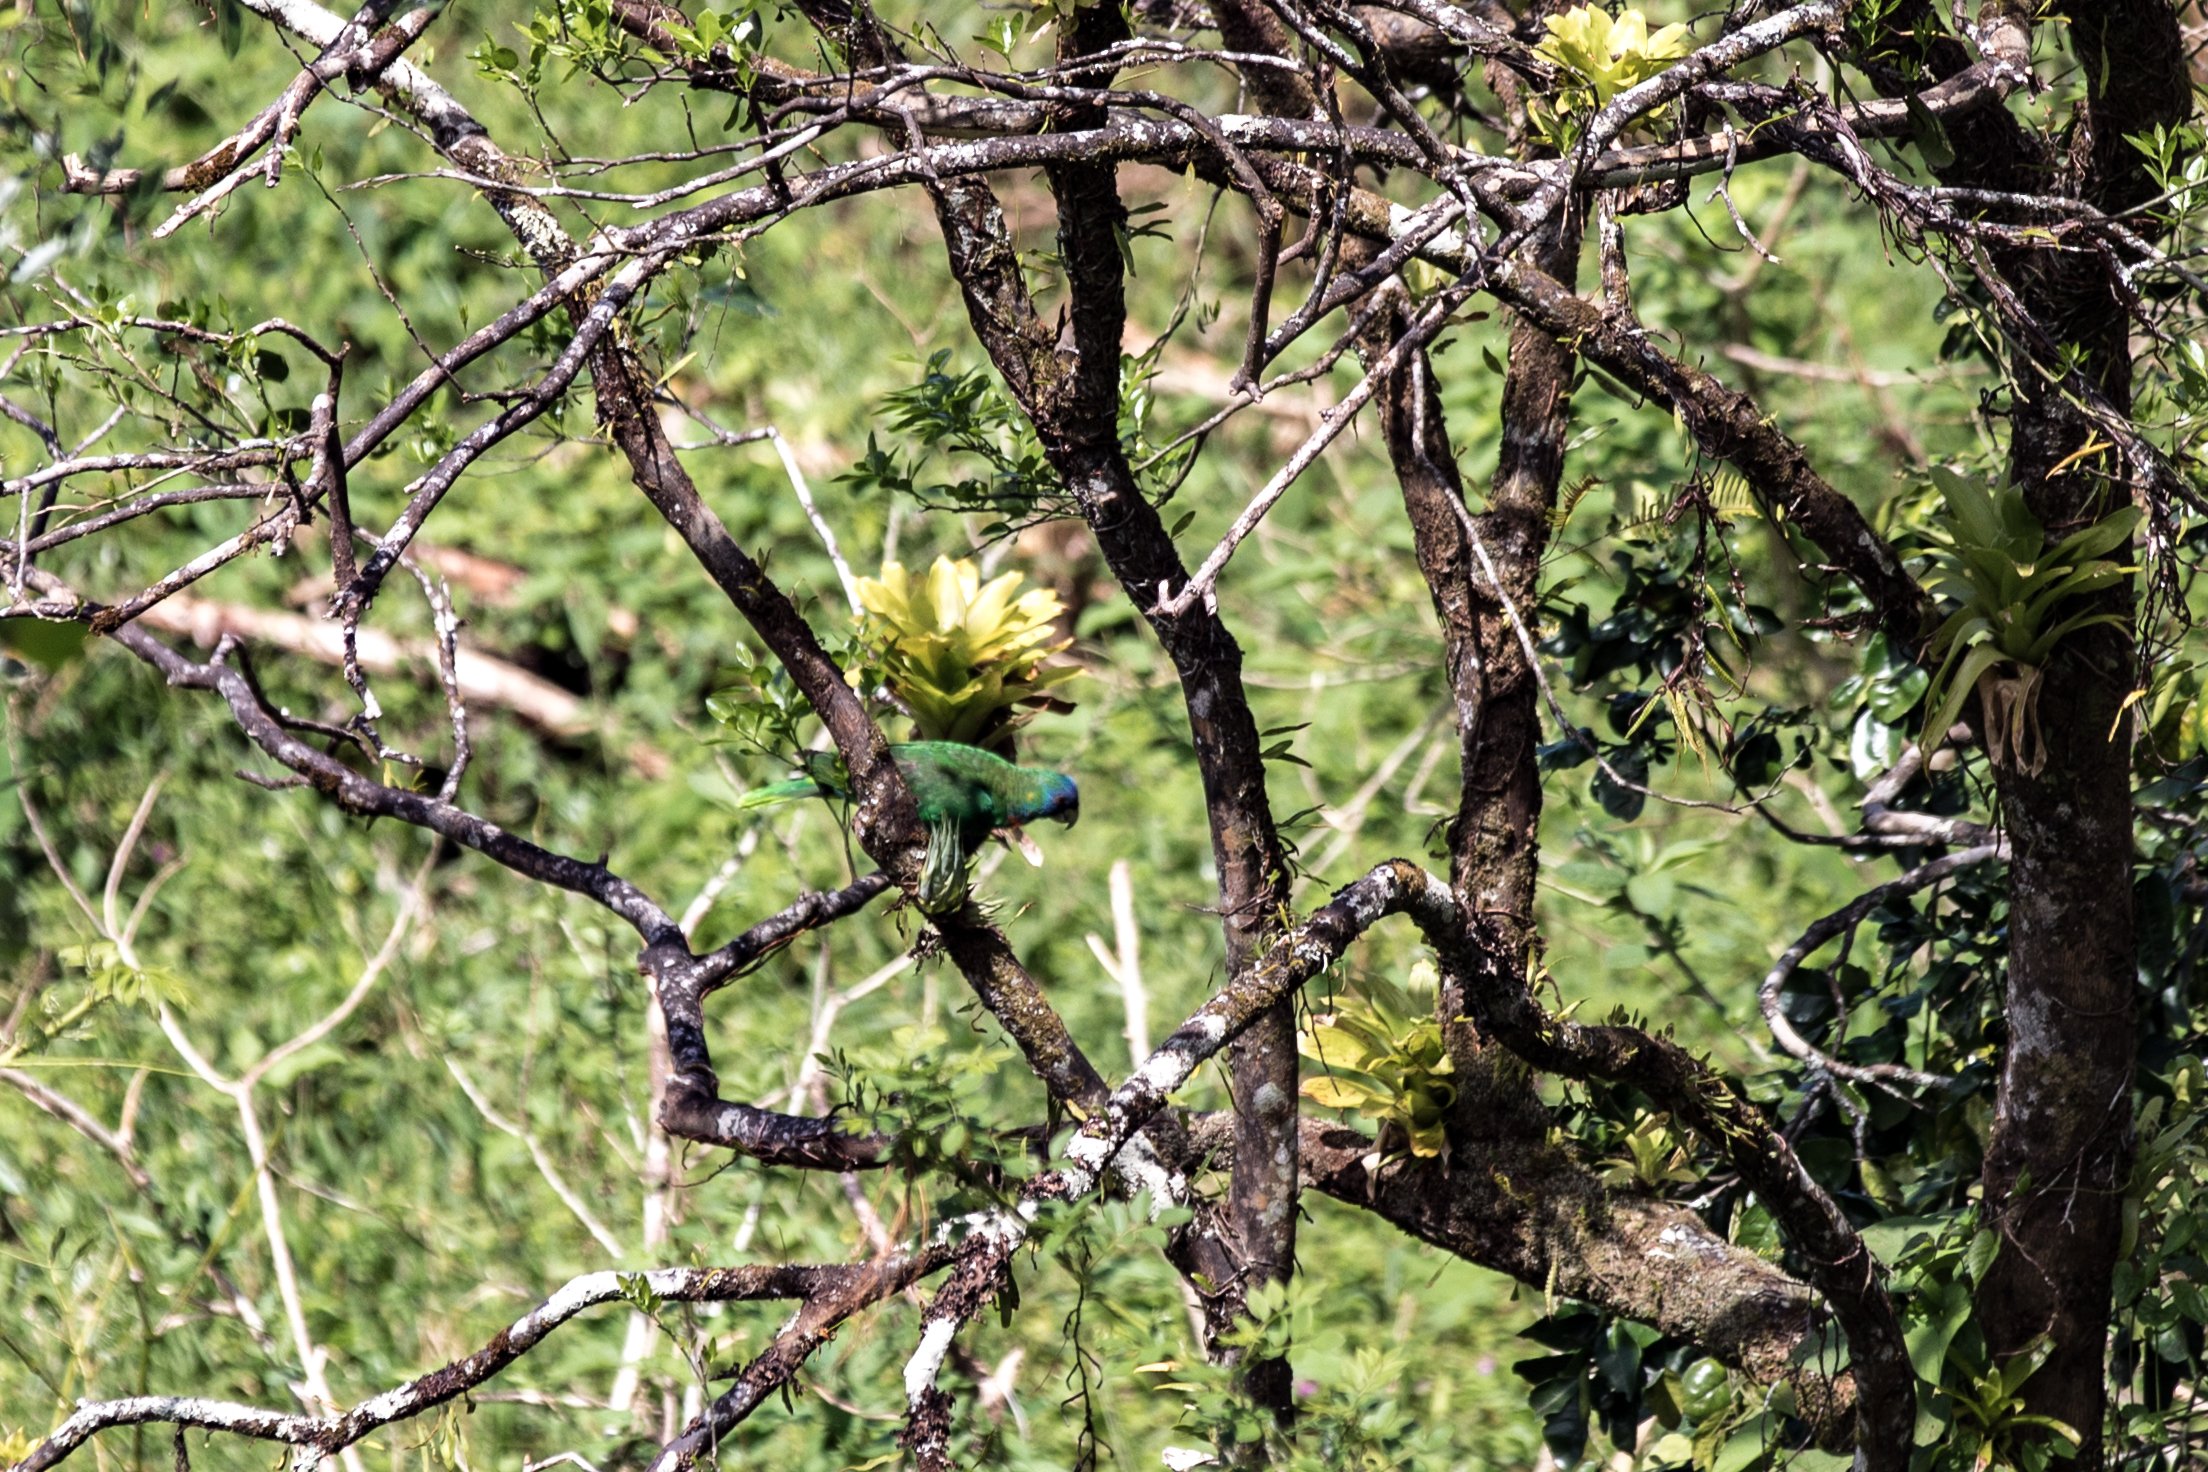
[929, 1099]
[966, 417]
[1969, 1402]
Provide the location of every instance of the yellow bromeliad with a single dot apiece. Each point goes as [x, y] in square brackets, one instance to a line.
[962, 655]
[1609, 55]
[1387, 1060]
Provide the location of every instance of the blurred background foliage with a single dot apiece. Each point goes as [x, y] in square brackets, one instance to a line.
[420, 1226]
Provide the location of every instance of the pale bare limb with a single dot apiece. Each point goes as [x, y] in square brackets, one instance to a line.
[850, 1286]
[1123, 963]
[569, 1198]
[1840, 922]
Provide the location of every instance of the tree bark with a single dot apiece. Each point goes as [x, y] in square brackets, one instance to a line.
[2060, 1152]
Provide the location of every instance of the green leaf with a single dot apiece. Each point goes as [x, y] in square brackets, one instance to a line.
[2037, 652]
[2024, 1364]
[306, 1060]
[1748, 1446]
[1927, 132]
[1873, 746]
[2099, 539]
[1652, 894]
[47, 644]
[1979, 1256]
[1892, 699]
[1928, 1340]
[1342, 1043]
[1975, 663]
[1619, 801]
[2076, 582]
[1330, 1091]
[1967, 501]
[1935, 1420]
[1813, 1460]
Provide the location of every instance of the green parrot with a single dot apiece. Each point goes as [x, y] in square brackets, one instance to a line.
[963, 794]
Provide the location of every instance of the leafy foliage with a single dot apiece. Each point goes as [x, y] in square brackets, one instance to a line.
[2015, 595]
[1682, 625]
[965, 414]
[1969, 1405]
[930, 1096]
[1384, 1058]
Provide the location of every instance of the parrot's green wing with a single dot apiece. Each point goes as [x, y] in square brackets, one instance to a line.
[960, 791]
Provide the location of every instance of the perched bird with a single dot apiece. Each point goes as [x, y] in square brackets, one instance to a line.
[963, 794]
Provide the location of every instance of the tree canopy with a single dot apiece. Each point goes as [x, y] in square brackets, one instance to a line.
[1616, 587]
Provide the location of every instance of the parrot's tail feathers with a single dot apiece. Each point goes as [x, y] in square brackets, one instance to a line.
[790, 791]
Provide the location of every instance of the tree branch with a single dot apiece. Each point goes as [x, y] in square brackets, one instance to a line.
[1396, 887]
[823, 1289]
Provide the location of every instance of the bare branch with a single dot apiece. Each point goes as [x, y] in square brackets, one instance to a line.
[223, 675]
[1396, 887]
[1840, 922]
[850, 1286]
[692, 1108]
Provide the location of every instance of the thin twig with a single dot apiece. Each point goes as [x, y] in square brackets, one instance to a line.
[1841, 922]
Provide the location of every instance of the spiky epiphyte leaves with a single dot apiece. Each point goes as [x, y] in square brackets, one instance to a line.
[1601, 56]
[2013, 593]
[1651, 1155]
[943, 872]
[1609, 54]
[963, 657]
[1383, 1057]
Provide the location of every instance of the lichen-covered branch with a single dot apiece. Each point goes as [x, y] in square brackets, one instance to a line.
[826, 1291]
[1524, 1208]
[1303, 951]
[1838, 1264]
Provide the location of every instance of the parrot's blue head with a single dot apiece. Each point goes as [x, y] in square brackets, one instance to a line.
[1060, 799]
